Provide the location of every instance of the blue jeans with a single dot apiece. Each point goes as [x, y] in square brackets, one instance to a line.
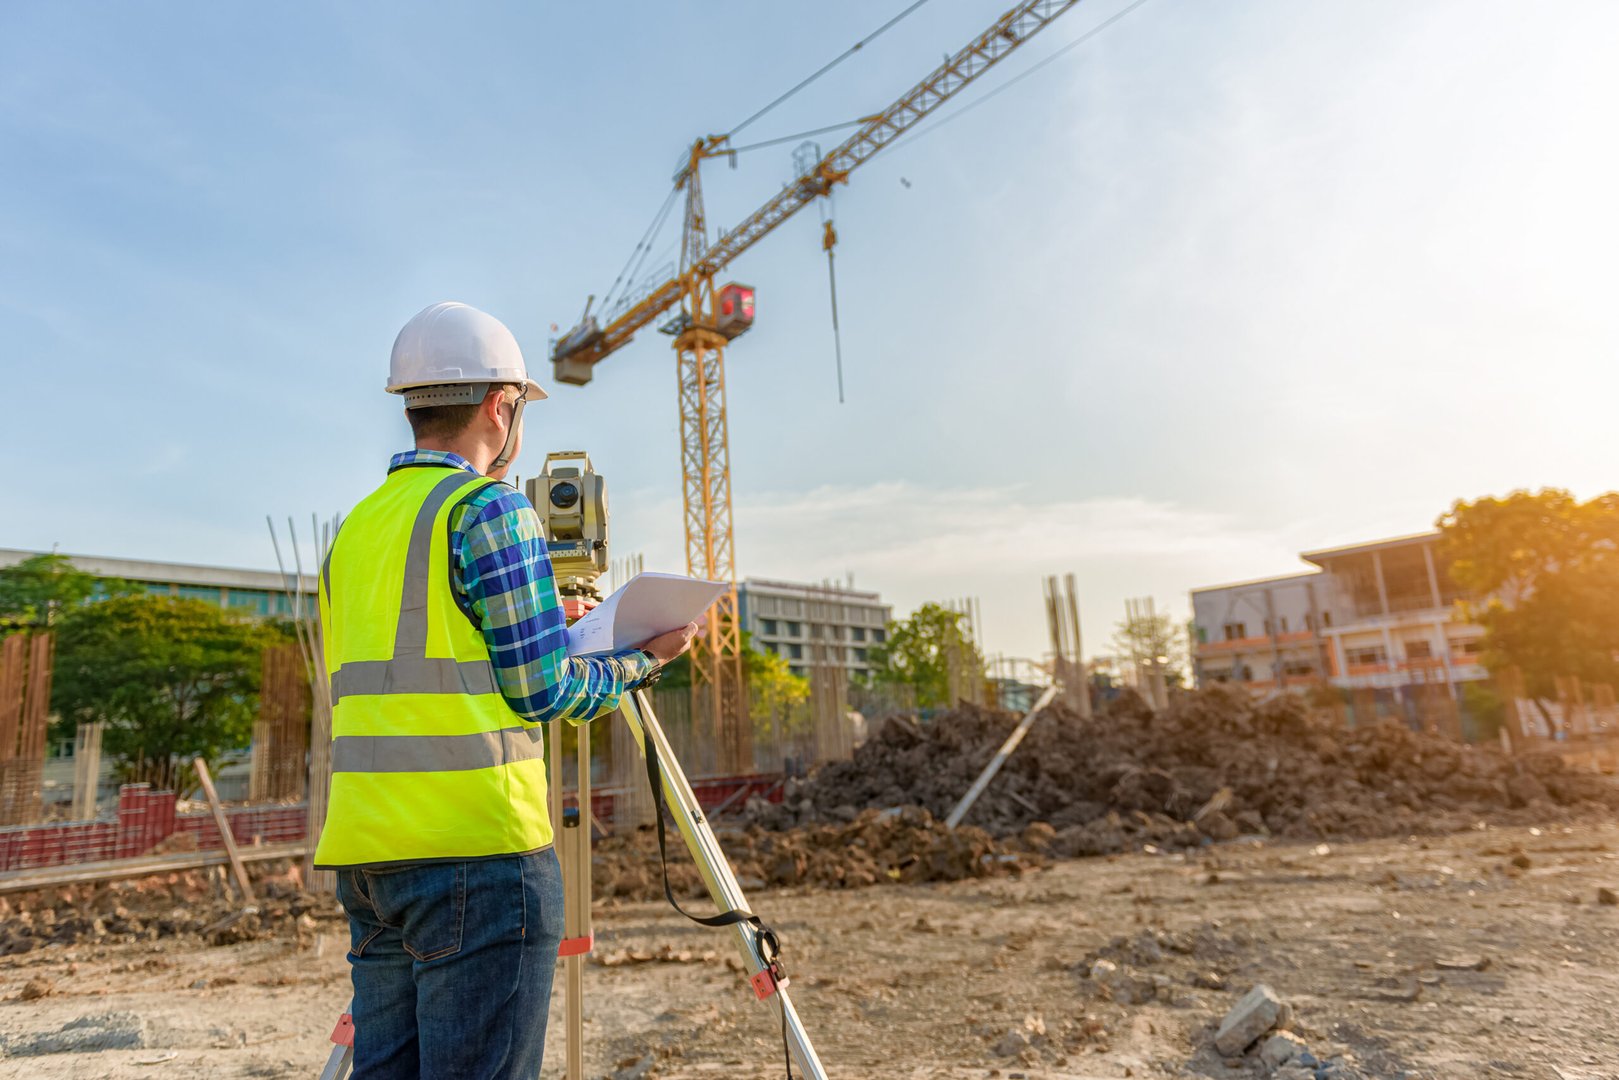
[452, 965]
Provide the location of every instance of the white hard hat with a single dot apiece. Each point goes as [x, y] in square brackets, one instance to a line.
[459, 349]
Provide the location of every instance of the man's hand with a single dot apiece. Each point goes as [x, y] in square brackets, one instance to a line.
[665, 647]
[574, 607]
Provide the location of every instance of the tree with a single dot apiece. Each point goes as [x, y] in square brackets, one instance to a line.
[170, 678]
[1146, 637]
[40, 589]
[1540, 572]
[770, 680]
[918, 652]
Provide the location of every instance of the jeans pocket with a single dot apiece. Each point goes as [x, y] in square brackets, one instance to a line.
[427, 903]
[363, 925]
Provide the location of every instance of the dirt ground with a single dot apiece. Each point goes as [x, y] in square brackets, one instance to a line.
[1481, 954]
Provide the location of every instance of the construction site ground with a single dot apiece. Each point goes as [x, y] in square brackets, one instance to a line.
[1489, 952]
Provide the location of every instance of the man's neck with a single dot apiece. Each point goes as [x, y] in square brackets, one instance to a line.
[477, 456]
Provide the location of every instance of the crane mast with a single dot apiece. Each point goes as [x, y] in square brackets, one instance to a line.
[718, 694]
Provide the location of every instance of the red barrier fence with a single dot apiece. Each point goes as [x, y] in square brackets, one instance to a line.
[145, 818]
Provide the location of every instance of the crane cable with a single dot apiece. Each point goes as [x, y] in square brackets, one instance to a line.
[840, 58]
[641, 247]
[1020, 76]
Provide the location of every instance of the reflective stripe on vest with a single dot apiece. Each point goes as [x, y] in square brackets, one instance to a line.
[428, 760]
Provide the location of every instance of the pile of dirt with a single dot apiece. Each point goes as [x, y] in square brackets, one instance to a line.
[1212, 766]
[189, 903]
[876, 847]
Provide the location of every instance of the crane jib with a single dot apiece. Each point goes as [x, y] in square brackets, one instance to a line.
[582, 346]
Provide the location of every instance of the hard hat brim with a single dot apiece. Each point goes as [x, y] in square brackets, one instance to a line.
[534, 391]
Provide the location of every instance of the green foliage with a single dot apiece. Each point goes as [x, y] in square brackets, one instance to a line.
[1541, 571]
[39, 590]
[772, 686]
[1485, 706]
[770, 680]
[917, 654]
[1154, 637]
[171, 678]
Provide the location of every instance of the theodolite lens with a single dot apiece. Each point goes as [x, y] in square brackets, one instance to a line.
[564, 495]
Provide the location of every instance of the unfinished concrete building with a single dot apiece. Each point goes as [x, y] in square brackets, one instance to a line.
[1376, 619]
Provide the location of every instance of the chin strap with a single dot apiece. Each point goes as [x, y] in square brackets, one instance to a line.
[506, 451]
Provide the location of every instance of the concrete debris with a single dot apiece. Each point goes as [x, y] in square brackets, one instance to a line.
[1011, 1044]
[635, 1068]
[1214, 765]
[87, 1034]
[1284, 1048]
[1466, 962]
[1259, 1011]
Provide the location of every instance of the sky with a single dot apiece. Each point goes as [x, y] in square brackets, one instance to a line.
[1227, 282]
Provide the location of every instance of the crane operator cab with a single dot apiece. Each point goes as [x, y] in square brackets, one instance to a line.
[733, 310]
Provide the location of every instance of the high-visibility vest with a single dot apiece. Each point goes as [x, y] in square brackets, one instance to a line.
[428, 760]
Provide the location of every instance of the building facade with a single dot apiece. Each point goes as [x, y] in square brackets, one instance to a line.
[257, 592]
[807, 624]
[1376, 617]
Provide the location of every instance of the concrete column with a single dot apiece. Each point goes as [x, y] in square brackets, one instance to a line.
[1382, 589]
[1433, 576]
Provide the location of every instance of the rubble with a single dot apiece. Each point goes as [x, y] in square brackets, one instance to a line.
[874, 847]
[188, 903]
[1259, 1011]
[1214, 766]
[1284, 1048]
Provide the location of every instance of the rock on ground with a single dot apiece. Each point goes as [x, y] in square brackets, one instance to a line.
[1257, 1012]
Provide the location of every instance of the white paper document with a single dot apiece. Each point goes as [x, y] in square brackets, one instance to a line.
[649, 605]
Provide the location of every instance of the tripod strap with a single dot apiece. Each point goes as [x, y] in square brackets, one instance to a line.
[725, 918]
[764, 937]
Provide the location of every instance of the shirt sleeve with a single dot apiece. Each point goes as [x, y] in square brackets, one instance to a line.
[505, 571]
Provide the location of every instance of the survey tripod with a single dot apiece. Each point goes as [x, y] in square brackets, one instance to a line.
[578, 561]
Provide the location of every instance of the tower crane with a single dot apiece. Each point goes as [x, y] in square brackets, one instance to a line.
[707, 318]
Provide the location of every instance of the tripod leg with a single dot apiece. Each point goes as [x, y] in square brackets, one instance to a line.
[577, 932]
[716, 874]
[342, 1057]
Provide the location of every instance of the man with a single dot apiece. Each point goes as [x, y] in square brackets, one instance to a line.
[446, 650]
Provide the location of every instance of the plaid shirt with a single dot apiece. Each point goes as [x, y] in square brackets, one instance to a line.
[501, 573]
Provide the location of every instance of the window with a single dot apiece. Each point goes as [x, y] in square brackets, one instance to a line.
[767, 626]
[1268, 631]
[796, 670]
[795, 629]
[250, 600]
[857, 633]
[1298, 667]
[1284, 624]
[1365, 654]
[815, 631]
[1235, 631]
[1470, 647]
[796, 651]
[859, 656]
[1418, 650]
[1326, 618]
[879, 636]
[209, 594]
[1309, 622]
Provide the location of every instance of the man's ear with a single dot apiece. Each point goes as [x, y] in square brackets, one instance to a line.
[491, 408]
